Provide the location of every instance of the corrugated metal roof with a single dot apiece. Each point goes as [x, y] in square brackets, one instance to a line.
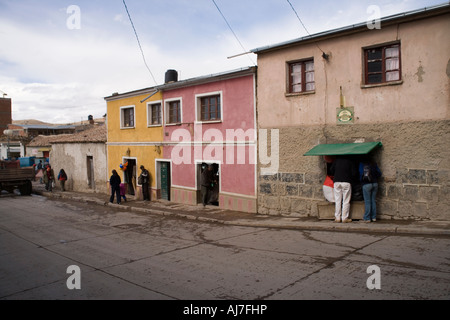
[185, 83]
[42, 126]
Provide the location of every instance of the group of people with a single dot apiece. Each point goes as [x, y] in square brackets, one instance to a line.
[118, 189]
[344, 170]
[47, 176]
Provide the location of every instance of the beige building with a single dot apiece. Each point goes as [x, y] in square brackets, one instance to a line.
[361, 84]
[83, 157]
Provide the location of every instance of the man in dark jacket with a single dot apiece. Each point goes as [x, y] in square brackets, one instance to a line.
[114, 182]
[343, 170]
[145, 179]
[207, 183]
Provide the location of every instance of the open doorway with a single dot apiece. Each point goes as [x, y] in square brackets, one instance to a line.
[213, 189]
[129, 175]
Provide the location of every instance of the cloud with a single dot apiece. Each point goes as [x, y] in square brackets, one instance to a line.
[56, 74]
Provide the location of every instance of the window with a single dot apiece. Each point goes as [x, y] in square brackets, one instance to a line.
[127, 117]
[174, 112]
[154, 114]
[382, 64]
[210, 108]
[301, 76]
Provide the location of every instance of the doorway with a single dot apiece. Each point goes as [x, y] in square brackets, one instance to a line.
[90, 172]
[165, 181]
[129, 176]
[213, 196]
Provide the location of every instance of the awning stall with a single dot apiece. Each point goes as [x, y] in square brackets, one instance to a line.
[340, 149]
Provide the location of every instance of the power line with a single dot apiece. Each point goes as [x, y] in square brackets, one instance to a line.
[139, 43]
[229, 26]
[304, 27]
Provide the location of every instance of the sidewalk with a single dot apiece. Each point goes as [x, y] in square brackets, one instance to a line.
[216, 215]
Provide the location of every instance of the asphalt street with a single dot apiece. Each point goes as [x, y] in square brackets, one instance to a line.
[132, 255]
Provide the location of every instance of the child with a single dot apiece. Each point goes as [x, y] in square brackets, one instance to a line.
[123, 188]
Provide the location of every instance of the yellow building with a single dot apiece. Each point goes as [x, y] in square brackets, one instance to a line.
[135, 133]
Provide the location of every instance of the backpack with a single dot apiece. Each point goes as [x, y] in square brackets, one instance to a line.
[367, 173]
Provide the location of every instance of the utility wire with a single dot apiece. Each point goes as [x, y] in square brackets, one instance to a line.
[139, 43]
[304, 27]
[229, 26]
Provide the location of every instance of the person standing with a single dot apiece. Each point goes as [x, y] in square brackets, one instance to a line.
[207, 182]
[145, 181]
[49, 178]
[369, 173]
[114, 182]
[343, 169]
[62, 177]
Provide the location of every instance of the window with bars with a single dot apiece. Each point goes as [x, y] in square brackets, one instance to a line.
[127, 117]
[210, 109]
[382, 64]
[301, 76]
[174, 112]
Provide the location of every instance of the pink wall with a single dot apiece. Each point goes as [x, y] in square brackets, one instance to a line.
[238, 112]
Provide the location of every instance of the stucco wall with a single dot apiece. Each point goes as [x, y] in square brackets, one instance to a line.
[237, 176]
[72, 157]
[142, 143]
[423, 93]
[410, 117]
[141, 132]
[144, 155]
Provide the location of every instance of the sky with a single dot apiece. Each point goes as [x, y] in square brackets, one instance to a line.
[59, 59]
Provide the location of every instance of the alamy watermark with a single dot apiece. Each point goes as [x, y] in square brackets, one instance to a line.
[73, 22]
[374, 20]
[234, 146]
[374, 280]
[74, 281]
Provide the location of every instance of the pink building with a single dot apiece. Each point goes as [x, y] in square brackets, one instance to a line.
[209, 120]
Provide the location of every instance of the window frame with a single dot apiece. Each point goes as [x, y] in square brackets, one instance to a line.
[198, 106]
[290, 84]
[122, 117]
[167, 119]
[383, 60]
[150, 106]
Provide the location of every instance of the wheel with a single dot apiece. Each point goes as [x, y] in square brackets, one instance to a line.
[26, 188]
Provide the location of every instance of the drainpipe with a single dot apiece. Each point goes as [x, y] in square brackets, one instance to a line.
[157, 90]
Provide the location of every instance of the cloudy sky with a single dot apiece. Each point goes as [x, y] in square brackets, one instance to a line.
[59, 59]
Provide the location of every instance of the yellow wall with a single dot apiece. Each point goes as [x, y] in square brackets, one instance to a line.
[140, 142]
[141, 133]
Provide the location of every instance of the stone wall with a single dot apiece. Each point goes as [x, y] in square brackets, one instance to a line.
[414, 159]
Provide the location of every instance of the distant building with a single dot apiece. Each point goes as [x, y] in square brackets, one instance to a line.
[83, 157]
[5, 114]
[33, 130]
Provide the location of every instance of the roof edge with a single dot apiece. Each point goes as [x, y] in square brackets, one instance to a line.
[396, 18]
[186, 83]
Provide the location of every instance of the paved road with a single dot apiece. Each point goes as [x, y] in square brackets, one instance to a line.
[128, 255]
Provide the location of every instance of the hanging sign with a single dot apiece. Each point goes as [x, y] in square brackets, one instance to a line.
[345, 115]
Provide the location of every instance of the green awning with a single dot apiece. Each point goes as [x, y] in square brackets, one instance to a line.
[343, 149]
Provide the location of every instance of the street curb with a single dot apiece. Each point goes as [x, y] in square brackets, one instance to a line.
[270, 222]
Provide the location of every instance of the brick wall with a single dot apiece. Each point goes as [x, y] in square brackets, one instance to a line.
[5, 113]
